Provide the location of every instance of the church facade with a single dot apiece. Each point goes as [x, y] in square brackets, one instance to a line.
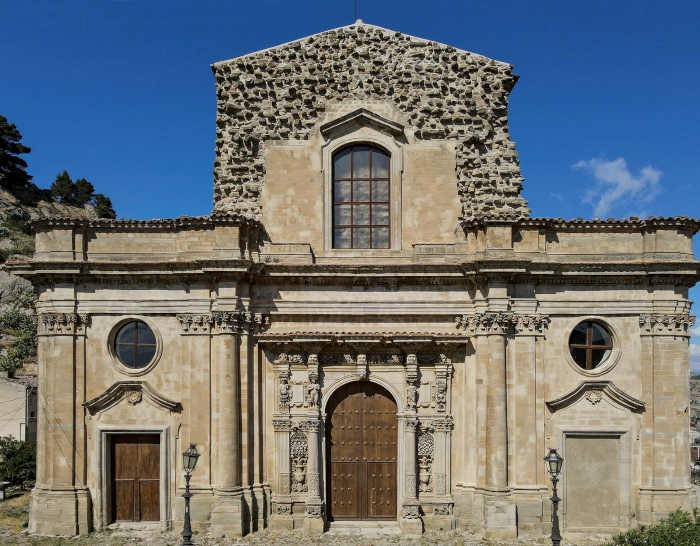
[368, 326]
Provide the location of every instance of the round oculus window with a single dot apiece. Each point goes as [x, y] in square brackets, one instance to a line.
[135, 344]
[590, 344]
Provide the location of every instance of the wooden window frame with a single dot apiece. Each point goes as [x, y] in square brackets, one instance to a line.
[352, 149]
[589, 346]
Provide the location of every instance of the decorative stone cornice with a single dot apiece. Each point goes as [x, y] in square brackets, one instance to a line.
[283, 424]
[657, 324]
[607, 388]
[62, 324]
[238, 322]
[531, 325]
[133, 391]
[487, 323]
[195, 324]
[223, 322]
[182, 222]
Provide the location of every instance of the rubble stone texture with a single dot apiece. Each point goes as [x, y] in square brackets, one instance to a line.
[446, 93]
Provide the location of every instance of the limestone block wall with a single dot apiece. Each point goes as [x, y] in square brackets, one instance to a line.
[444, 93]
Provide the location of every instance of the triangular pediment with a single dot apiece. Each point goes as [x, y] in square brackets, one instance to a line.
[362, 117]
[350, 32]
[594, 391]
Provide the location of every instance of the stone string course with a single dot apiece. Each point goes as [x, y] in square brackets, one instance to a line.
[445, 93]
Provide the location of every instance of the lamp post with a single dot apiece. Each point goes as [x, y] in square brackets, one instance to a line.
[189, 461]
[553, 463]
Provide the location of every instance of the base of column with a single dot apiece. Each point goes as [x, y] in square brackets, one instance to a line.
[656, 504]
[499, 519]
[315, 518]
[411, 523]
[64, 512]
[227, 514]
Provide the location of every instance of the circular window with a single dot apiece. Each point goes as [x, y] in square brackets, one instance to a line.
[590, 344]
[135, 344]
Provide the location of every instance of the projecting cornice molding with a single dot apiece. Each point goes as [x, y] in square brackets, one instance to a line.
[594, 391]
[133, 391]
[657, 324]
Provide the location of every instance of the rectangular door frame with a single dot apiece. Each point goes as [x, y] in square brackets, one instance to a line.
[625, 462]
[104, 438]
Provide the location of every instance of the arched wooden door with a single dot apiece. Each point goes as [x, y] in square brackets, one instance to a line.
[361, 439]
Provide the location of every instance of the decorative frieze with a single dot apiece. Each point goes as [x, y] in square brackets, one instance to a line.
[531, 325]
[63, 324]
[281, 424]
[195, 324]
[657, 324]
[487, 323]
[238, 322]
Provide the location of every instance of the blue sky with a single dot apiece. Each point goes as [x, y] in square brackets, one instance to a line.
[605, 115]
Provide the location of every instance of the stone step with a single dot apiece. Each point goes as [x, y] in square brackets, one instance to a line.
[364, 528]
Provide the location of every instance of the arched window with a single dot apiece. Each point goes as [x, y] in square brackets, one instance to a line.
[361, 197]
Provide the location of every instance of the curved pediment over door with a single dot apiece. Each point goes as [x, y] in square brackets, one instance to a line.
[594, 391]
[134, 392]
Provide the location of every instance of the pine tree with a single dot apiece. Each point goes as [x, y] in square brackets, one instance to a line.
[103, 207]
[83, 192]
[13, 169]
[63, 189]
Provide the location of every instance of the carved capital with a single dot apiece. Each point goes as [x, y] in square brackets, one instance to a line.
[239, 322]
[445, 424]
[487, 323]
[281, 425]
[657, 324]
[311, 426]
[62, 324]
[531, 325]
[411, 425]
[195, 323]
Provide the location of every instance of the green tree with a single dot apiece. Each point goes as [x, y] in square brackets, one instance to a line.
[83, 192]
[17, 461]
[103, 206]
[13, 169]
[63, 189]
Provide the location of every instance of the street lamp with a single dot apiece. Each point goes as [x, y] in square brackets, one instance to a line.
[189, 461]
[553, 463]
[696, 472]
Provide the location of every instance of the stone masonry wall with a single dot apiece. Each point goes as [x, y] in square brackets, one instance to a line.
[446, 93]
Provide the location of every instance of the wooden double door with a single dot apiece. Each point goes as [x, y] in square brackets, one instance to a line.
[361, 440]
[135, 471]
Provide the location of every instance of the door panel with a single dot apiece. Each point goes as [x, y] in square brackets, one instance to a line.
[135, 460]
[362, 440]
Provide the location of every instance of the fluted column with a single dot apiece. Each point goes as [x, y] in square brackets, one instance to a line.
[665, 430]
[60, 501]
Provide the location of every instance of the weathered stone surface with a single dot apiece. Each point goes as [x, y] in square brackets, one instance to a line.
[445, 94]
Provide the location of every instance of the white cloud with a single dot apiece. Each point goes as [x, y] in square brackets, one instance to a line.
[615, 184]
[695, 332]
[694, 350]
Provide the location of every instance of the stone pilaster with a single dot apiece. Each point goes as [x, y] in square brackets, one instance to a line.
[410, 522]
[526, 422]
[315, 513]
[227, 512]
[60, 500]
[281, 517]
[665, 476]
[490, 330]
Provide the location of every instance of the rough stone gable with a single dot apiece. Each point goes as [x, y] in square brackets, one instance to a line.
[445, 93]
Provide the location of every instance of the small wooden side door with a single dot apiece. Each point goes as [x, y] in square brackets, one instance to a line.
[135, 477]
